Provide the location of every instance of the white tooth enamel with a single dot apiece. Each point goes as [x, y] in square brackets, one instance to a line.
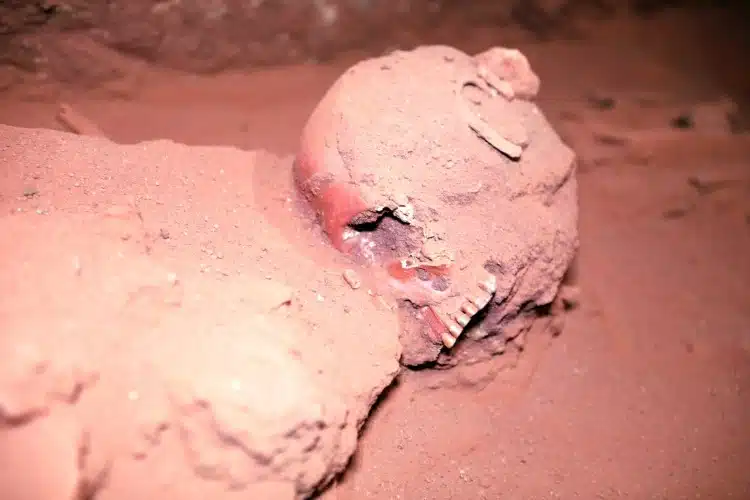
[469, 309]
[482, 301]
[489, 285]
[462, 319]
[477, 302]
[448, 341]
[455, 329]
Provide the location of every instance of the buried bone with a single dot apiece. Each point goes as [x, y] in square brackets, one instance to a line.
[405, 142]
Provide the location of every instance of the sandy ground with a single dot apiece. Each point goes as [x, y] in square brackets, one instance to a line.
[645, 395]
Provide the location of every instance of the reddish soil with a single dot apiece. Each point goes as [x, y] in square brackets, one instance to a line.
[646, 392]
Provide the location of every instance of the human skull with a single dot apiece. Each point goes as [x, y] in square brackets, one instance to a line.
[427, 164]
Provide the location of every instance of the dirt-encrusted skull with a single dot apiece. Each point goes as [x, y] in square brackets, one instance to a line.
[437, 167]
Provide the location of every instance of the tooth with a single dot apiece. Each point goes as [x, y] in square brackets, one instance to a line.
[489, 285]
[469, 308]
[482, 301]
[478, 303]
[455, 329]
[462, 319]
[448, 341]
[492, 282]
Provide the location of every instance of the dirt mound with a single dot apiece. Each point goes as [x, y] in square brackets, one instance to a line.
[135, 346]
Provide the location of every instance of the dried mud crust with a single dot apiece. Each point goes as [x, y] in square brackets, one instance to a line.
[133, 367]
[481, 185]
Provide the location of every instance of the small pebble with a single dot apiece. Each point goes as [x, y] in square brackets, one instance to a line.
[352, 278]
[77, 266]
